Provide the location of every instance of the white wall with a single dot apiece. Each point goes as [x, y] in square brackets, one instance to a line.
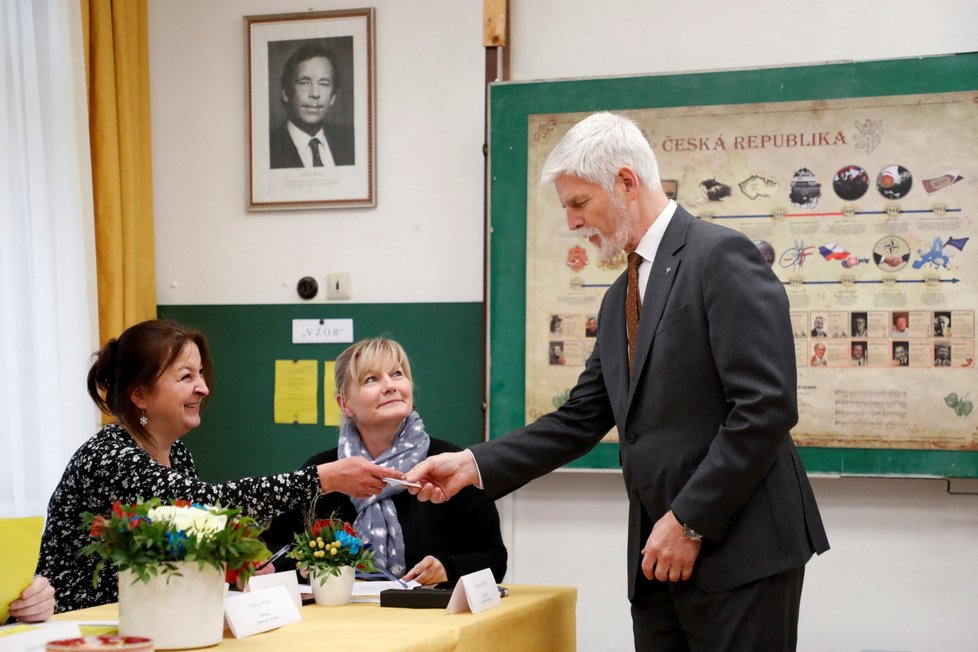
[423, 241]
[902, 574]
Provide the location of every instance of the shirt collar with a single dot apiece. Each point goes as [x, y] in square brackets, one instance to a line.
[301, 141]
[650, 242]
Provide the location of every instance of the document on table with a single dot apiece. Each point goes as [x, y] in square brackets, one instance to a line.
[370, 591]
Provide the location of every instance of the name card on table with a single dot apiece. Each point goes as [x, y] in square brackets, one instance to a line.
[474, 592]
[34, 637]
[288, 579]
[260, 611]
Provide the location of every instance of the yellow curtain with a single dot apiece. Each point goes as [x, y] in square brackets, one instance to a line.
[117, 70]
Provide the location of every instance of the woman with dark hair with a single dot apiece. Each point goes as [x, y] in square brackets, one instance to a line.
[154, 379]
[417, 541]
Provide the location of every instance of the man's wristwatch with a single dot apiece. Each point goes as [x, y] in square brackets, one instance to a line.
[690, 533]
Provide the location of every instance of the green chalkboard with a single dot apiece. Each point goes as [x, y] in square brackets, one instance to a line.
[511, 105]
[238, 437]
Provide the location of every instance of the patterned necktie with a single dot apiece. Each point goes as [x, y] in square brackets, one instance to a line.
[317, 162]
[632, 306]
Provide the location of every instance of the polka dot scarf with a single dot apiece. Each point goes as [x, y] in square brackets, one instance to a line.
[376, 516]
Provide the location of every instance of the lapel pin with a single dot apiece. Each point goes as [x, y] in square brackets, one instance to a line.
[668, 269]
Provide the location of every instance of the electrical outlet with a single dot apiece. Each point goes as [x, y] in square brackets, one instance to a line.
[338, 286]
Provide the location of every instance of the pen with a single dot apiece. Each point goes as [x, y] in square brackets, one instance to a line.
[281, 551]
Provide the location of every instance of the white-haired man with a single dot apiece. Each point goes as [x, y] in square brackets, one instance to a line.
[700, 381]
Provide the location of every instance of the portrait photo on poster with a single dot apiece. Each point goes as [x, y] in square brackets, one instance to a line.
[311, 110]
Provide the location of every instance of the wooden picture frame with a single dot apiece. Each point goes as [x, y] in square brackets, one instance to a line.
[311, 75]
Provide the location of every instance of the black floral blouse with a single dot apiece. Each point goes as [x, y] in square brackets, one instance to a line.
[111, 466]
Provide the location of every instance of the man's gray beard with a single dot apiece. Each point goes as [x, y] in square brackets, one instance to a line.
[612, 245]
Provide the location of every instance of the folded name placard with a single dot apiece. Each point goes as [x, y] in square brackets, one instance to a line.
[288, 579]
[259, 611]
[34, 637]
[475, 592]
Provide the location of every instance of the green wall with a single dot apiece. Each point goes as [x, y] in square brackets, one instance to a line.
[238, 437]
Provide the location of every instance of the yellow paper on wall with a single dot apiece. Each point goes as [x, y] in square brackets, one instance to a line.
[21, 544]
[331, 410]
[295, 391]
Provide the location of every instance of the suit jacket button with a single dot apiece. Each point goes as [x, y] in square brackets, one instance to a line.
[630, 437]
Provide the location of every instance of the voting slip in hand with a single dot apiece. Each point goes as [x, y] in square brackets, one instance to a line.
[402, 483]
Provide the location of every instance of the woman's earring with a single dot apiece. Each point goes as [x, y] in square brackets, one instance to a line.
[143, 420]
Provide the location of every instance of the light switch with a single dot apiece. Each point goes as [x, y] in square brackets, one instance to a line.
[338, 286]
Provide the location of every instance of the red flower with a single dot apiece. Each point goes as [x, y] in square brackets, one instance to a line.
[98, 524]
[123, 512]
[318, 526]
[181, 502]
[231, 574]
[349, 529]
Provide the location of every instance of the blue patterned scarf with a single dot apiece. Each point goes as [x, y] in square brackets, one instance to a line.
[376, 516]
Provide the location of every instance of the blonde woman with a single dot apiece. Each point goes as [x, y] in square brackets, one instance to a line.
[411, 540]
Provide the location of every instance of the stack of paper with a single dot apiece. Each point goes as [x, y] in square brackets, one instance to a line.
[370, 591]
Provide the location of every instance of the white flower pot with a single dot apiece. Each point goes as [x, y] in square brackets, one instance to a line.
[332, 589]
[176, 612]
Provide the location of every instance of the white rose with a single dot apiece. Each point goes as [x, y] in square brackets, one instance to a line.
[189, 519]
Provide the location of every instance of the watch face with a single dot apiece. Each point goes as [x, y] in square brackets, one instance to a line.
[690, 533]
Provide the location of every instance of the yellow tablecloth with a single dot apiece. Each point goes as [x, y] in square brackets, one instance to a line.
[529, 618]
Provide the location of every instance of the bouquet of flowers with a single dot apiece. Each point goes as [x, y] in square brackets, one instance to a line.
[328, 544]
[148, 538]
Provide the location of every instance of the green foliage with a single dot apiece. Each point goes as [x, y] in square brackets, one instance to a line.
[328, 544]
[148, 538]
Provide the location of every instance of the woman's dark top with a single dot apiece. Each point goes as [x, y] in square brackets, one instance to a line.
[111, 466]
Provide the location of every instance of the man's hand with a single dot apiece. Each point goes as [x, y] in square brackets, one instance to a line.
[443, 476]
[668, 555]
[355, 476]
[427, 571]
[36, 602]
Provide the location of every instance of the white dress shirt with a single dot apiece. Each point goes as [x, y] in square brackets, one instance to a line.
[649, 244]
[301, 141]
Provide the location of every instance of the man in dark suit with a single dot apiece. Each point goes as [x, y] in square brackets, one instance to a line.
[722, 518]
[310, 81]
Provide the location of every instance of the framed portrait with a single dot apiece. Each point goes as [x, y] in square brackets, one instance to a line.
[311, 141]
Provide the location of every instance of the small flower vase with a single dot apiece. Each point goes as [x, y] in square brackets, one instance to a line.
[176, 612]
[331, 589]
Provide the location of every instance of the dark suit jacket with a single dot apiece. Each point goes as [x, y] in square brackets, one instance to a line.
[283, 154]
[463, 534]
[705, 419]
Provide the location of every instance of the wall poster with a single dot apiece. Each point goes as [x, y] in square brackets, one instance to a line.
[866, 208]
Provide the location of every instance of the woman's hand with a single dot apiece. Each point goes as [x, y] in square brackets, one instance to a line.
[355, 477]
[427, 571]
[36, 602]
[268, 569]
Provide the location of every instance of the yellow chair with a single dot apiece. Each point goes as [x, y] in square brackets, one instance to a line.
[21, 539]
